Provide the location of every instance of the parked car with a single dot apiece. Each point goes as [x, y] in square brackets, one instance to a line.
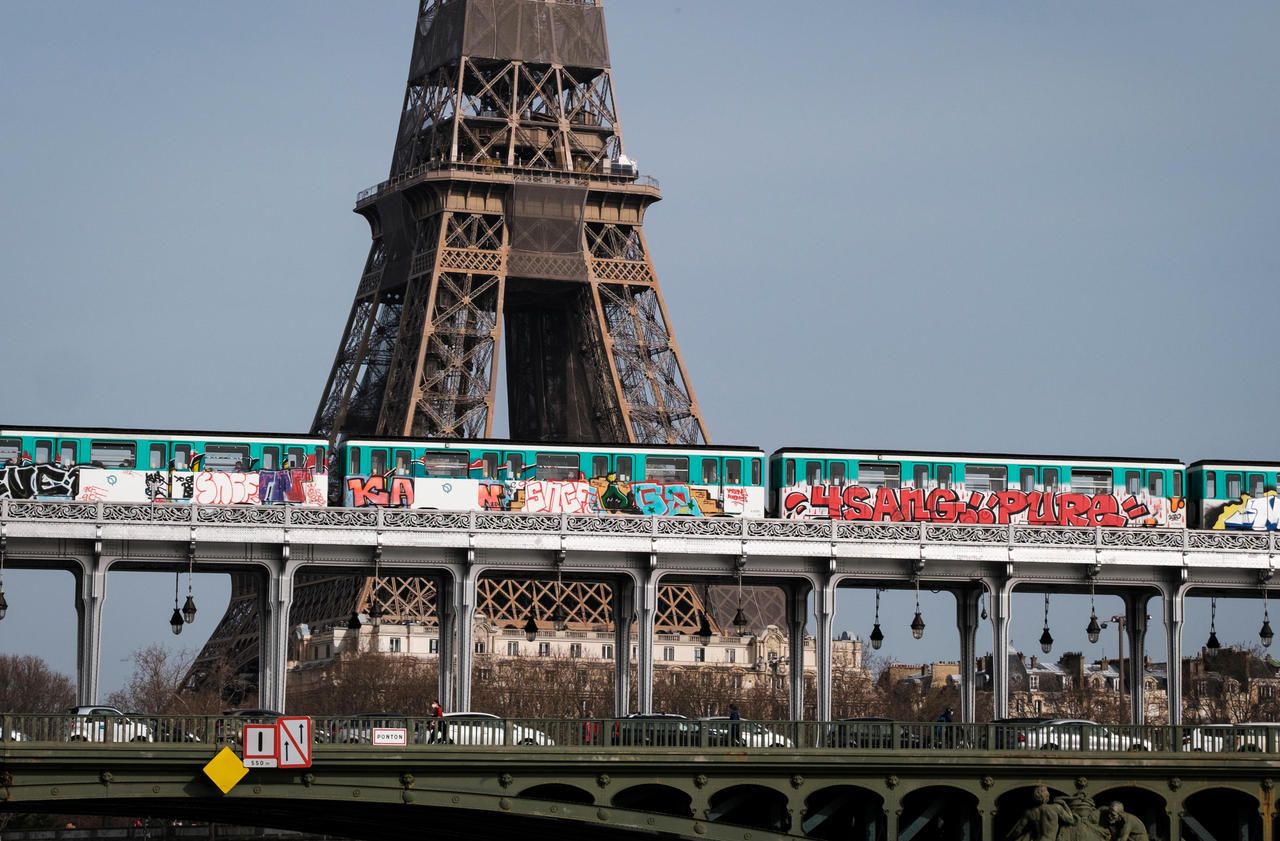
[656, 730]
[105, 724]
[473, 728]
[1080, 734]
[722, 731]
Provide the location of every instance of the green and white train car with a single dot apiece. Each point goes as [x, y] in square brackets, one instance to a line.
[1236, 495]
[490, 475]
[978, 488]
[209, 468]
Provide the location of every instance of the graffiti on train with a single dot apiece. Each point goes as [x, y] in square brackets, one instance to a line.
[602, 495]
[1250, 513]
[259, 487]
[949, 505]
[40, 480]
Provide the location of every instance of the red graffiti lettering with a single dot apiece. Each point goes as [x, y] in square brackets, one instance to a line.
[373, 490]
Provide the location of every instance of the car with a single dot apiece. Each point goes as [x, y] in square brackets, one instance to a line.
[14, 735]
[1250, 737]
[1011, 733]
[656, 730]
[167, 729]
[105, 724]
[871, 731]
[476, 728]
[359, 728]
[1080, 734]
[724, 731]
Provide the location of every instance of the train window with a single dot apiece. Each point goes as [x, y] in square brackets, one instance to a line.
[837, 472]
[181, 456]
[1091, 481]
[319, 462]
[624, 468]
[791, 472]
[157, 457]
[294, 457]
[1255, 484]
[755, 471]
[732, 471]
[1155, 482]
[353, 461]
[561, 466]
[515, 463]
[1050, 478]
[710, 471]
[1027, 479]
[668, 469]
[226, 458]
[985, 478]
[447, 464]
[1210, 485]
[113, 454]
[270, 458]
[10, 451]
[599, 466]
[377, 462]
[490, 468]
[1234, 486]
[873, 474]
[1132, 481]
[921, 475]
[945, 474]
[404, 463]
[1177, 483]
[44, 452]
[813, 472]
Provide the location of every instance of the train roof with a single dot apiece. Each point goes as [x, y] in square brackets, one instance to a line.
[935, 455]
[113, 432]
[504, 444]
[1201, 464]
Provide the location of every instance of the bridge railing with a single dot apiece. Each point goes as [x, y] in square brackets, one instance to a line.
[656, 732]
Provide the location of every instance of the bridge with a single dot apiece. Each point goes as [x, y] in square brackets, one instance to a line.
[619, 779]
[805, 558]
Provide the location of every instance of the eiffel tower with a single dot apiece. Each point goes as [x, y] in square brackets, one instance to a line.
[511, 209]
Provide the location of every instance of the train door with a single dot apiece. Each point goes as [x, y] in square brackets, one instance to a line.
[513, 462]
[271, 457]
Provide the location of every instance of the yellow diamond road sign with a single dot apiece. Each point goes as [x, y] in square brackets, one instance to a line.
[225, 770]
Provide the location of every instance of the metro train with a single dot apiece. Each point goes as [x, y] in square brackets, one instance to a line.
[224, 468]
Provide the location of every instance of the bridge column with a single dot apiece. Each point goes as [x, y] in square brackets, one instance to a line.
[797, 611]
[1135, 606]
[1000, 610]
[446, 622]
[967, 621]
[91, 592]
[646, 614]
[1174, 605]
[824, 614]
[623, 607]
[465, 609]
[273, 638]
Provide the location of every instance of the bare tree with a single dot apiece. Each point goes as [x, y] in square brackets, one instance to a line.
[369, 681]
[28, 685]
[157, 685]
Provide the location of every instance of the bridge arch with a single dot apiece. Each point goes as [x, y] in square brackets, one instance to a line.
[559, 792]
[842, 812]
[655, 797]
[1146, 803]
[939, 812]
[750, 805]
[1014, 803]
[1221, 812]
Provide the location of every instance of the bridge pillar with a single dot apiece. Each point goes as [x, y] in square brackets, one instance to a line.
[273, 638]
[824, 614]
[623, 607]
[91, 592]
[1135, 606]
[797, 613]
[464, 600]
[647, 612]
[446, 624]
[1174, 606]
[1000, 609]
[967, 621]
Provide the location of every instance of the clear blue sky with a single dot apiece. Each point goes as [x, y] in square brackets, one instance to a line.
[992, 226]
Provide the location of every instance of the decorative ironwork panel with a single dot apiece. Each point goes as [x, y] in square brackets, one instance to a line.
[967, 534]
[518, 522]
[1043, 536]
[610, 525]
[878, 531]
[811, 530]
[116, 513]
[244, 515]
[468, 260]
[622, 270]
[699, 527]
[53, 511]
[429, 520]
[1230, 540]
[1150, 538]
[348, 518]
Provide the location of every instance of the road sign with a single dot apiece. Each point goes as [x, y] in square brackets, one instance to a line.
[225, 770]
[261, 746]
[394, 736]
[295, 741]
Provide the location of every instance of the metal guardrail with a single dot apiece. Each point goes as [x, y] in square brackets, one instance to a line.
[498, 522]
[665, 732]
[517, 173]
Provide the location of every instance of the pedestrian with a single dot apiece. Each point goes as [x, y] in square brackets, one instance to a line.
[438, 731]
[590, 728]
[735, 729]
[942, 735]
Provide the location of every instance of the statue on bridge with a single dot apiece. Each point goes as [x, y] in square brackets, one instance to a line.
[1074, 818]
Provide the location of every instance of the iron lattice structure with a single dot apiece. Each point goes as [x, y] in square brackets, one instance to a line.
[322, 601]
[511, 209]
